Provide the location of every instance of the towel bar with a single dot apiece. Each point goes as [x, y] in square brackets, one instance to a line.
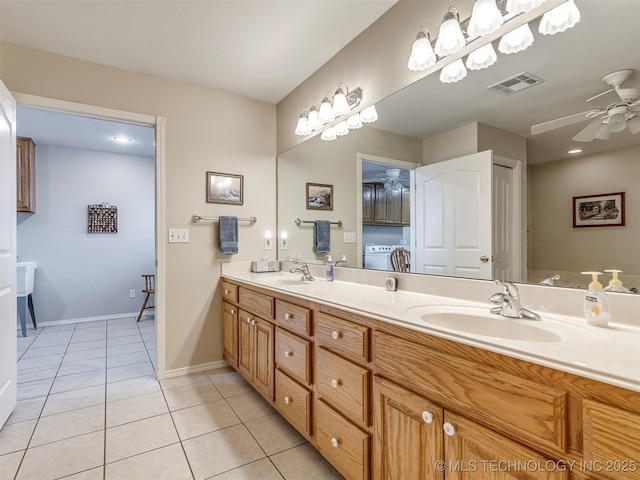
[197, 218]
[297, 221]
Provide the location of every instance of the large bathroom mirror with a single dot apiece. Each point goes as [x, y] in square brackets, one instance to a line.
[429, 122]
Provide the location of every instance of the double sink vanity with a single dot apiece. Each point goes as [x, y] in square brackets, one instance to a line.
[409, 385]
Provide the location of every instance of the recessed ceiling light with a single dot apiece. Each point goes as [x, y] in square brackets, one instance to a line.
[575, 150]
[122, 139]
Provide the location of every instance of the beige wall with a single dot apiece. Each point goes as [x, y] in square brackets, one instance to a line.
[206, 130]
[451, 144]
[556, 245]
[333, 163]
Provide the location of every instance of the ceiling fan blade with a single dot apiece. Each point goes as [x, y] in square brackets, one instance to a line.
[605, 98]
[560, 122]
[588, 133]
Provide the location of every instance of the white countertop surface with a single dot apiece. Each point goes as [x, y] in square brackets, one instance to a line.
[610, 355]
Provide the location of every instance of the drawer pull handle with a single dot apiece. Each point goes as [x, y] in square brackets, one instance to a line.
[288, 354]
[253, 322]
[335, 383]
[334, 442]
[287, 400]
[288, 316]
[427, 417]
[335, 335]
[449, 429]
[226, 292]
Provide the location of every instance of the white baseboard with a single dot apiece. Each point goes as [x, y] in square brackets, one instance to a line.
[195, 369]
[88, 319]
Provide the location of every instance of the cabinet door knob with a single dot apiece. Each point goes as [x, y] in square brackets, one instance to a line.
[427, 417]
[253, 322]
[449, 429]
[232, 311]
[335, 335]
[335, 383]
[248, 319]
[334, 442]
[288, 316]
[288, 354]
[287, 400]
[226, 292]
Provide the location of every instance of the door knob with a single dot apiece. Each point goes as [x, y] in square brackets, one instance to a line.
[484, 258]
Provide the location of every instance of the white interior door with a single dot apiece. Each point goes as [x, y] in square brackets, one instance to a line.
[503, 228]
[8, 306]
[453, 221]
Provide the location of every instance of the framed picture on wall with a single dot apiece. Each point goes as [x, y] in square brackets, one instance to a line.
[319, 196]
[601, 210]
[224, 188]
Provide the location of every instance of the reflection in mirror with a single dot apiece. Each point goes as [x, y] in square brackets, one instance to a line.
[430, 122]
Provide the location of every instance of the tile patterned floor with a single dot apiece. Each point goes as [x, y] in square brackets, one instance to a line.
[90, 408]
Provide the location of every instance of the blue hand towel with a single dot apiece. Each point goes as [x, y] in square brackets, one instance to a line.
[321, 236]
[229, 235]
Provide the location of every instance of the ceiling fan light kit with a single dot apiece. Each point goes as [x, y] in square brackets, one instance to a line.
[615, 117]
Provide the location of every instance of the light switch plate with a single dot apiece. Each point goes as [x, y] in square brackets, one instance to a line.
[349, 237]
[178, 235]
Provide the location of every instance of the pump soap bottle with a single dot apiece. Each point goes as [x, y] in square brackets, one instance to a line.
[329, 271]
[596, 306]
[615, 284]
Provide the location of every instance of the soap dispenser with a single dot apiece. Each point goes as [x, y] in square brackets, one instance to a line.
[596, 306]
[615, 284]
[329, 271]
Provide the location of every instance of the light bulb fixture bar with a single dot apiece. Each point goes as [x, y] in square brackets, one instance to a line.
[487, 17]
[325, 112]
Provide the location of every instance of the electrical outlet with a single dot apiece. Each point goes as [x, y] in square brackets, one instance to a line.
[349, 237]
[132, 293]
[178, 235]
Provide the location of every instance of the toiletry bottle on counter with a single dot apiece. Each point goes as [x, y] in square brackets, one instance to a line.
[329, 271]
[596, 306]
[615, 284]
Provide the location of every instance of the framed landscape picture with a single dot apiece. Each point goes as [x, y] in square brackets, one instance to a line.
[319, 196]
[601, 210]
[224, 188]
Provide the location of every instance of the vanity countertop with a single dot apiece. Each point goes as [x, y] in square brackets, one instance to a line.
[610, 355]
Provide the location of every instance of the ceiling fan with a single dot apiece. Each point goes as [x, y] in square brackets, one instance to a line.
[618, 109]
[391, 179]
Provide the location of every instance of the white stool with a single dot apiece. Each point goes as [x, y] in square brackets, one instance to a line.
[24, 286]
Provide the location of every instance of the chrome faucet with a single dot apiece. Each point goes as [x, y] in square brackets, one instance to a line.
[509, 303]
[550, 280]
[304, 270]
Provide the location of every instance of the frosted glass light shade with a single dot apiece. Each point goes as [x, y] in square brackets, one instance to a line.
[369, 114]
[341, 128]
[450, 38]
[354, 121]
[453, 72]
[634, 124]
[560, 18]
[324, 113]
[422, 54]
[314, 119]
[302, 127]
[328, 134]
[340, 104]
[603, 132]
[483, 57]
[516, 40]
[522, 6]
[485, 18]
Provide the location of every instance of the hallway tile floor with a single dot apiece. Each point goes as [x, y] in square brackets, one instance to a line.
[89, 407]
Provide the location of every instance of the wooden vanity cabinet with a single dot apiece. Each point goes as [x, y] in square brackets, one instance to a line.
[230, 333]
[25, 174]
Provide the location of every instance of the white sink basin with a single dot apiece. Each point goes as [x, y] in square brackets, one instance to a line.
[478, 321]
[285, 280]
[25, 277]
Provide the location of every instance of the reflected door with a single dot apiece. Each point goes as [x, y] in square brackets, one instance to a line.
[453, 231]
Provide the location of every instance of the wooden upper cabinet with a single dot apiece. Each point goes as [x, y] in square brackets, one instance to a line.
[385, 207]
[26, 174]
[406, 206]
[368, 203]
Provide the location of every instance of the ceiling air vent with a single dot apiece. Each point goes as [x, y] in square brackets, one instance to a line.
[516, 83]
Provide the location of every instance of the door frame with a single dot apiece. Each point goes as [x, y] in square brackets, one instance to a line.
[518, 220]
[158, 124]
[365, 157]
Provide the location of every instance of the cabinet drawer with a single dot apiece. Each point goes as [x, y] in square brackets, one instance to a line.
[612, 440]
[527, 410]
[294, 318]
[229, 292]
[343, 444]
[257, 303]
[343, 336]
[343, 385]
[293, 355]
[293, 402]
